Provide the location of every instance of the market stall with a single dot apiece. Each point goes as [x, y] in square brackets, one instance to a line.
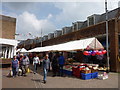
[8, 48]
[22, 50]
[92, 43]
[90, 46]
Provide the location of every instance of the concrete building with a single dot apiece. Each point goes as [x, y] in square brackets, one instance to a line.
[66, 30]
[57, 33]
[93, 19]
[8, 43]
[45, 37]
[50, 35]
[76, 26]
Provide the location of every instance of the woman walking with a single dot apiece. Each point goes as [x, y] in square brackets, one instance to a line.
[15, 65]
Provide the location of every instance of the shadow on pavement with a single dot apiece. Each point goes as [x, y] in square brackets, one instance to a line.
[37, 80]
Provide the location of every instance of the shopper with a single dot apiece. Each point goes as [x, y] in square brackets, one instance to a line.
[36, 62]
[55, 65]
[31, 58]
[18, 56]
[100, 58]
[61, 61]
[25, 65]
[46, 63]
[14, 65]
[20, 64]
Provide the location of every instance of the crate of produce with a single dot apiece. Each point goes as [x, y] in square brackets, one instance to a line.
[95, 75]
[77, 71]
[86, 76]
[85, 71]
[94, 70]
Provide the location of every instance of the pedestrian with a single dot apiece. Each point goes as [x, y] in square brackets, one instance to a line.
[31, 58]
[20, 65]
[41, 59]
[46, 63]
[100, 58]
[50, 58]
[55, 65]
[36, 62]
[61, 61]
[14, 65]
[25, 65]
[18, 56]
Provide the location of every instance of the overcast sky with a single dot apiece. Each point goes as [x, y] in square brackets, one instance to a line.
[32, 17]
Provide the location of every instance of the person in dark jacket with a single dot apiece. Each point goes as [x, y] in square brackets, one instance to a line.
[61, 61]
[15, 65]
[46, 63]
[55, 65]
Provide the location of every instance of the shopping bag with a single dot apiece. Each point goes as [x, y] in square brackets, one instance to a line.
[10, 74]
[19, 72]
[28, 70]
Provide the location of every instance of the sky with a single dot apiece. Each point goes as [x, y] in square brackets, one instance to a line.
[47, 16]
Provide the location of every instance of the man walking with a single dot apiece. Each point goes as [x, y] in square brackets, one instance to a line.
[46, 63]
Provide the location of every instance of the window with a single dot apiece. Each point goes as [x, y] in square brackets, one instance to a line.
[90, 20]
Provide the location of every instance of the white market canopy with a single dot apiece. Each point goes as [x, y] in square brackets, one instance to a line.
[9, 49]
[23, 50]
[11, 42]
[18, 50]
[92, 43]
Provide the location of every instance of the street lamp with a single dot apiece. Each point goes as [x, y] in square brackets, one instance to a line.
[41, 37]
[107, 46]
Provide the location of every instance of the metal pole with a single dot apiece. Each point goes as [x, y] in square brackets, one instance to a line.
[41, 37]
[107, 46]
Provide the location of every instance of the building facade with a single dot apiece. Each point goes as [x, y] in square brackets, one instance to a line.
[95, 26]
[8, 43]
[8, 27]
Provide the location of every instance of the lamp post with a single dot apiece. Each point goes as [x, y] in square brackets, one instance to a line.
[41, 37]
[107, 36]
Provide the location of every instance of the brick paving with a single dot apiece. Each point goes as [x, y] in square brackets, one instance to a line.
[35, 81]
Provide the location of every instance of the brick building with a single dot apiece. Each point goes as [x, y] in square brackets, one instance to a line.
[8, 27]
[7, 36]
[95, 26]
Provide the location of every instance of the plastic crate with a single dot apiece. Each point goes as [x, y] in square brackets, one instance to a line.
[67, 72]
[95, 75]
[77, 75]
[77, 71]
[86, 76]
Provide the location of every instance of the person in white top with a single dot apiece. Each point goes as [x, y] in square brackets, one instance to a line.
[36, 62]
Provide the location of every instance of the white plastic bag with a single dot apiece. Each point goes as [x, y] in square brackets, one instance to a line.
[10, 74]
[102, 77]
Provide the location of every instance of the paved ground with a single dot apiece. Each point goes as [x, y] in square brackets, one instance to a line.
[35, 81]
